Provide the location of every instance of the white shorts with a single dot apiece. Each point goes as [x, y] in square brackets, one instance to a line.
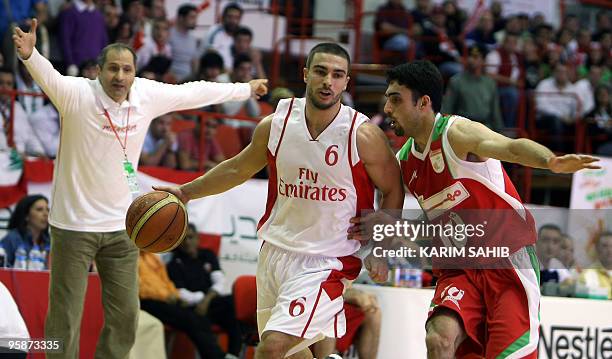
[301, 295]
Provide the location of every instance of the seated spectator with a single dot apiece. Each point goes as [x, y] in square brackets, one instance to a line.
[599, 276]
[455, 17]
[566, 254]
[243, 38]
[160, 146]
[29, 227]
[242, 72]
[25, 83]
[531, 64]
[24, 138]
[420, 15]
[89, 69]
[197, 272]
[556, 104]
[158, 45]
[45, 124]
[600, 121]
[548, 250]
[111, 20]
[392, 25]
[211, 67]
[160, 298]
[438, 46]
[543, 36]
[82, 34]
[220, 37]
[484, 33]
[184, 45]
[472, 93]
[595, 57]
[363, 321]
[504, 67]
[125, 32]
[189, 154]
[585, 89]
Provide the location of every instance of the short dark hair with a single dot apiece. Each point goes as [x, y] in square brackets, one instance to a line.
[211, 59]
[421, 78]
[7, 70]
[240, 59]
[327, 48]
[185, 9]
[244, 31]
[232, 6]
[549, 226]
[117, 46]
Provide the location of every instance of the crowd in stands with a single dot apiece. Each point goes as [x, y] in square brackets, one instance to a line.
[499, 69]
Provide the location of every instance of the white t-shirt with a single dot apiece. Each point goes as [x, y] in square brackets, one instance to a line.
[90, 192]
[563, 104]
[219, 40]
[11, 322]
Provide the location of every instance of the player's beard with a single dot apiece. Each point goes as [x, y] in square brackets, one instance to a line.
[321, 105]
[397, 128]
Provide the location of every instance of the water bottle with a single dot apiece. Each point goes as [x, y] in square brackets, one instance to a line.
[2, 257]
[21, 258]
[35, 261]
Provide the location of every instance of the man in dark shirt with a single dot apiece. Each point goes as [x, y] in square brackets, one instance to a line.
[393, 23]
[196, 272]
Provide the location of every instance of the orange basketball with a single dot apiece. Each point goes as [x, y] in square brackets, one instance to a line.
[156, 222]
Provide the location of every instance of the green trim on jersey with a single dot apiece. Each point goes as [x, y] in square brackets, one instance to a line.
[439, 127]
[514, 347]
[403, 153]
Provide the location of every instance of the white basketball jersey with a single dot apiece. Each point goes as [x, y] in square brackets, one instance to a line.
[316, 185]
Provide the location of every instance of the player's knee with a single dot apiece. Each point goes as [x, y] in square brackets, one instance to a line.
[273, 346]
[439, 345]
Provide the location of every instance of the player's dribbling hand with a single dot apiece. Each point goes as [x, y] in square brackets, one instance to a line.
[572, 163]
[25, 41]
[359, 229]
[377, 268]
[259, 87]
[175, 191]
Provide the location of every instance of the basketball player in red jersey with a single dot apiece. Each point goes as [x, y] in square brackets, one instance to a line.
[451, 163]
[324, 160]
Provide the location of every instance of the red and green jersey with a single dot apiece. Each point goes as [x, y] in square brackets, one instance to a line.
[456, 191]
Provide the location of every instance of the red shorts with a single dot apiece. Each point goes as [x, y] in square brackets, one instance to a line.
[354, 318]
[499, 307]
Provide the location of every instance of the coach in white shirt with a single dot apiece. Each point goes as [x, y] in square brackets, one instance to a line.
[104, 123]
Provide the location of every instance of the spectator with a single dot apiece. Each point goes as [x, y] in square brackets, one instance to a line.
[548, 249]
[242, 72]
[220, 37]
[571, 24]
[556, 104]
[111, 20]
[455, 17]
[155, 9]
[585, 89]
[82, 34]
[197, 272]
[21, 11]
[420, 15]
[599, 276]
[160, 298]
[602, 25]
[158, 45]
[25, 83]
[566, 253]
[484, 33]
[24, 137]
[189, 153]
[504, 67]
[28, 225]
[160, 145]
[243, 39]
[595, 57]
[125, 32]
[46, 128]
[472, 93]
[543, 35]
[531, 64]
[497, 13]
[362, 328]
[211, 67]
[184, 45]
[438, 46]
[568, 46]
[600, 120]
[392, 25]
[89, 69]
[134, 13]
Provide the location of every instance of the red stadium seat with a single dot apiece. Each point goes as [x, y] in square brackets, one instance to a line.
[245, 305]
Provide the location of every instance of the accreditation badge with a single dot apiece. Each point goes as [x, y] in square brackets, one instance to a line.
[130, 175]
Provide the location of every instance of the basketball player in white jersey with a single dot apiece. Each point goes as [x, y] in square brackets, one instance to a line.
[324, 161]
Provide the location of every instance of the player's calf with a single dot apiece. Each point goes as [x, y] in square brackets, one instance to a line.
[444, 334]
